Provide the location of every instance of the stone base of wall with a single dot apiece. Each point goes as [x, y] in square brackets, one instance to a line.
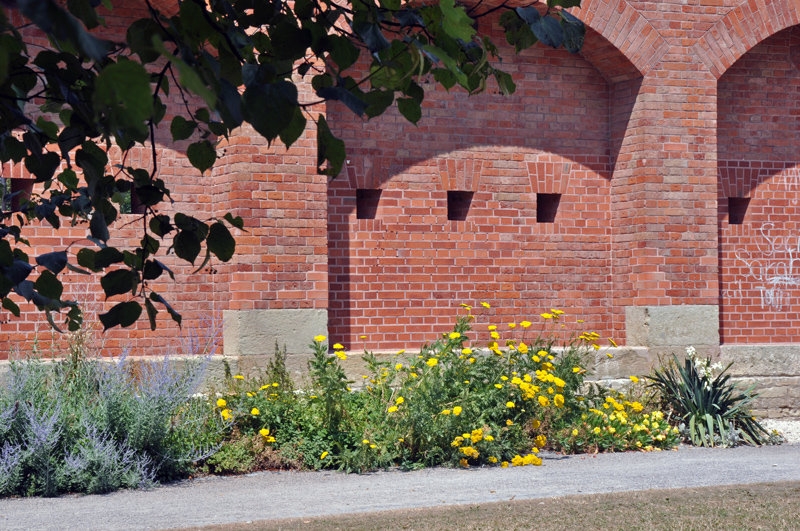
[256, 332]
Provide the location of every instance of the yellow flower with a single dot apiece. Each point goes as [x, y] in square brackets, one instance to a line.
[392, 409]
[612, 342]
[541, 440]
[463, 462]
[517, 461]
[338, 346]
[610, 355]
[239, 377]
[445, 412]
[255, 412]
[509, 404]
[492, 327]
[509, 422]
[400, 352]
[504, 378]
[489, 438]
[413, 375]
[457, 411]
[221, 403]
[535, 424]
[576, 369]
[341, 355]
[574, 433]
[492, 459]
[544, 401]
[432, 362]
[466, 351]
[504, 464]
[275, 384]
[547, 316]
[400, 400]
[372, 446]
[499, 386]
[398, 366]
[512, 325]
[324, 455]
[365, 441]
[264, 432]
[226, 413]
[401, 440]
[465, 305]
[454, 335]
[597, 430]
[319, 339]
[558, 400]
[596, 346]
[362, 337]
[634, 379]
[525, 324]
[495, 335]
[557, 312]
[523, 348]
[486, 305]
[472, 360]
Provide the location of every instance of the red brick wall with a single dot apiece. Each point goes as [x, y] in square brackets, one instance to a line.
[399, 279]
[669, 109]
[758, 135]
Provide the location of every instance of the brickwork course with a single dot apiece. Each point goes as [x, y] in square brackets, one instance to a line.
[648, 186]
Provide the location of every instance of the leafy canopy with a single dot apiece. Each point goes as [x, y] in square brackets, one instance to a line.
[233, 62]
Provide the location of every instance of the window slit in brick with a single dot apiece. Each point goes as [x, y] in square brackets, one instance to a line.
[547, 207]
[458, 204]
[367, 203]
[737, 208]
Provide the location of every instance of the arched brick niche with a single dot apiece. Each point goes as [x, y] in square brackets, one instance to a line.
[759, 246]
[399, 278]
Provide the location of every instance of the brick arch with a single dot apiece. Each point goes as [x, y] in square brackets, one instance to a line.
[742, 29]
[166, 7]
[626, 29]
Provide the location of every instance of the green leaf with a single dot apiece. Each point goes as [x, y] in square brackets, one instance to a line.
[343, 52]
[455, 21]
[187, 76]
[371, 35]
[151, 313]
[187, 246]
[504, 82]
[9, 305]
[53, 20]
[181, 128]
[574, 32]
[85, 12]
[48, 285]
[409, 108]
[118, 282]
[566, 4]
[78, 270]
[270, 107]
[295, 128]
[202, 155]
[3, 69]
[546, 29]
[155, 297]
[237, 221]
[353, 102]
[55, 261]
[122, 92]
[123, 314]
[105, 257]
[98, 227]
[329, 148]
[220, 242]
[140, 40]
[378, 101]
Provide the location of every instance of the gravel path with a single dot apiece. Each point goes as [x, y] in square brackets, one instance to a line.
[273, 495]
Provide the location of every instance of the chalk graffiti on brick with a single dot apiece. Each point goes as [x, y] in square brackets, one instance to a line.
[771, 268]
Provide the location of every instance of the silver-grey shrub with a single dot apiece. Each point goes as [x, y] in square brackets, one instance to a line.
[95, 426]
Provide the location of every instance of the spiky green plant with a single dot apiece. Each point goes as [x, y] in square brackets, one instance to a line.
[715, 410]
